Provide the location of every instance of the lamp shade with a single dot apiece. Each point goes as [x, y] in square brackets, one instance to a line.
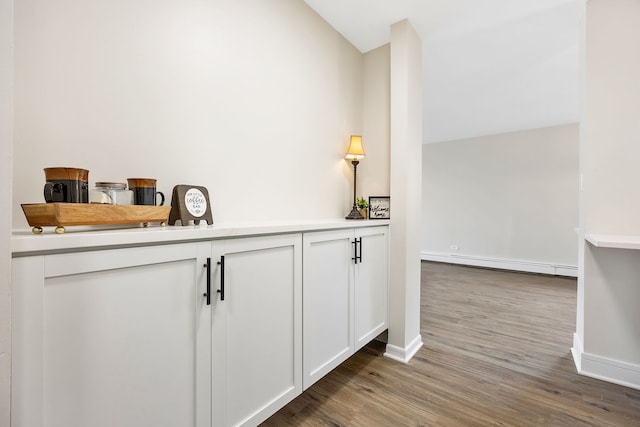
[355, 150]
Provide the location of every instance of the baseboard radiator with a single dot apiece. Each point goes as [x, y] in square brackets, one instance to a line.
[500, 263]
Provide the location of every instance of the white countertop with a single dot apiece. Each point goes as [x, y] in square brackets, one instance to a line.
[616, 241]
[25, 243]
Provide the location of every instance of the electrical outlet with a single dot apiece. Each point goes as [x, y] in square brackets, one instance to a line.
[454, 247]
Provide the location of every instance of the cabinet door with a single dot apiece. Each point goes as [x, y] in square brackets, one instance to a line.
[112, 338]
[257, 333]
[371, 285]
[327, 302]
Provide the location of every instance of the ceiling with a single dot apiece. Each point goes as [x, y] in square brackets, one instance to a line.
[489, 66]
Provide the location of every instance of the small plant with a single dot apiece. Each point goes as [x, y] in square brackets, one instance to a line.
[362, 203]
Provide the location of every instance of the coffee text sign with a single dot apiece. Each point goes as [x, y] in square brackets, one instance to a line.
[190, 203]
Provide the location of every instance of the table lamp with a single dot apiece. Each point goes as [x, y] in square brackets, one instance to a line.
[355, 152]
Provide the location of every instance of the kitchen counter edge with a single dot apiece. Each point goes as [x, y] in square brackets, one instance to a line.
[25, 243]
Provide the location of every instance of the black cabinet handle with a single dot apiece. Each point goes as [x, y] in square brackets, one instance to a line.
[355, 251]
[221, 290]
[360, 244]
[208, 293]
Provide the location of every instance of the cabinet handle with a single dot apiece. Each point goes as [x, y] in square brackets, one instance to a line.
[208, 293]
[360, 244]
[355, 251]
[221, 290]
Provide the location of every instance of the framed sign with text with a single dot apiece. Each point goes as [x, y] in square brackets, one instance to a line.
[379, 207]
[190, 203]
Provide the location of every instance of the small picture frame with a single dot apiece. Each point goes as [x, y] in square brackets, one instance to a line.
[379, 207]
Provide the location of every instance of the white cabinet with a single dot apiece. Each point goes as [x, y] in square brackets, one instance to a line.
[345, 295]
[126, 337]
[327, 302]
[257, 328]
[371, 285]
[112, 338]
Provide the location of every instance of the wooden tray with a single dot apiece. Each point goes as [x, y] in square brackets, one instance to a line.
[60, 215]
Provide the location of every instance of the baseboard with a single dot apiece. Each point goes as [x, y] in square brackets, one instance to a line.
[405, 354]
[576, 351]
[505, 264]
[614, 371]
[602, 368]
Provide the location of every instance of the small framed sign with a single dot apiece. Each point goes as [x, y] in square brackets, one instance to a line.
[379, 207]
[190, 203]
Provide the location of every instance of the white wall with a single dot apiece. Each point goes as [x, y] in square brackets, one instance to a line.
[508, 200]
[254, 100]
[608, 344]
[373, 170]
[612, 125]
[6, 135]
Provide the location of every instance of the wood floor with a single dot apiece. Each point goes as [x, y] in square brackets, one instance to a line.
[496, 353]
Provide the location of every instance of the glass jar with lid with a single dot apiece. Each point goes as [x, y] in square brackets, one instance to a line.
[112, 193]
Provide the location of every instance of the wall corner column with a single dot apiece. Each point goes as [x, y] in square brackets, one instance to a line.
[607, 343]
[406, 192]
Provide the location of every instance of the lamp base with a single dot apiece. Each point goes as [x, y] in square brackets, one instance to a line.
[354, 214]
